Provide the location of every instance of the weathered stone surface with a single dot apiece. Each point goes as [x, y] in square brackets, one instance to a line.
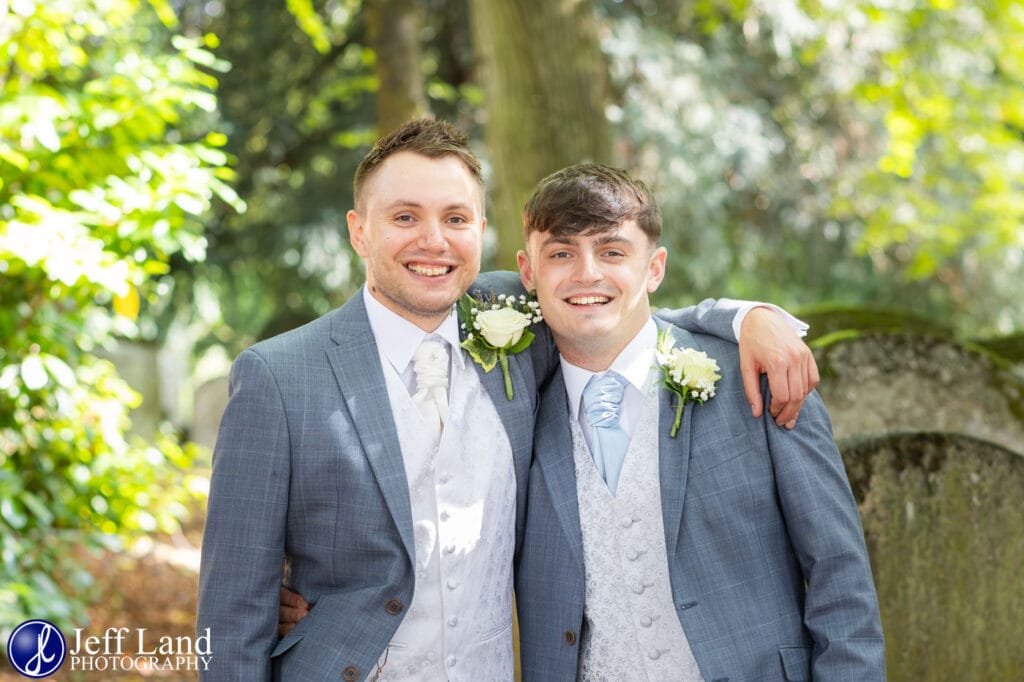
[876, 383]
[945, 529]
[137, 363]
[211, 399]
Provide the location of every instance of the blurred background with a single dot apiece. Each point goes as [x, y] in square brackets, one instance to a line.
[173, 181]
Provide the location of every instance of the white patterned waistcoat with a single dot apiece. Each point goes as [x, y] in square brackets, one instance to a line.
[463, 496]
[632, 630]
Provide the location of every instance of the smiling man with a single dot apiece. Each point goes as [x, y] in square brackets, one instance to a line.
[707, 547]
[368, 454]
[417, 226]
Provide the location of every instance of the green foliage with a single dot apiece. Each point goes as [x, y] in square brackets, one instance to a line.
[310, 23]
[831, 151]
[299, 118]
[297, 115]
[950, 179]
[106, 166]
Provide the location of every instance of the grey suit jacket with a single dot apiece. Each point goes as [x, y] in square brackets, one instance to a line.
[308, 467]
[769, 571]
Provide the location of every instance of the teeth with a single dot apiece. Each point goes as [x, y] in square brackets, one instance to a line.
[588, 300]
[429, 271]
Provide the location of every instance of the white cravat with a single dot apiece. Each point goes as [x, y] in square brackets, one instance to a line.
[430, 364]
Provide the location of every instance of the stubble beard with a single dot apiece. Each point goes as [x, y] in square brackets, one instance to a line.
[408, 304]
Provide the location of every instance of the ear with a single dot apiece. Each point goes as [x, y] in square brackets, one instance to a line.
[356, 232]
[656, 269]
[525, 270]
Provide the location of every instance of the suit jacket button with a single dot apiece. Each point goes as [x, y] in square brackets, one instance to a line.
[570, 637]
[394, 607]
[350, 673]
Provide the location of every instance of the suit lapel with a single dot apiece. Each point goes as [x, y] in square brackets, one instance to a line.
[516, 414]
[357, 368]
[673, 453]
[553, 444]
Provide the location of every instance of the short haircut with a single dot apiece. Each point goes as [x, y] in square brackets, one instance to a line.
[426, 136]
[589, 198]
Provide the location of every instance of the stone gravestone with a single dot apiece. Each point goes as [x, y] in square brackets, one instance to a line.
[944, 521]
[211, 398]
[932, 434]
[882, 382]
[137, 364]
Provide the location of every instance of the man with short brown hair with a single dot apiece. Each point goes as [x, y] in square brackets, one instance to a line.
[669, 536]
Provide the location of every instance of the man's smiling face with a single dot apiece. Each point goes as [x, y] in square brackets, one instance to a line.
[593, 288]
[419, 228]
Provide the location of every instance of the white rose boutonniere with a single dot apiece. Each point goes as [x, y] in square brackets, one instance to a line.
[496, 329]
[687, 372]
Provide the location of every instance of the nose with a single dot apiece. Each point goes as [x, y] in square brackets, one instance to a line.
[432, 235]
[586, 270]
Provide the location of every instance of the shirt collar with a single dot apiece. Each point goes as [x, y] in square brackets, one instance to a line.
[398, 338]
[634, 363]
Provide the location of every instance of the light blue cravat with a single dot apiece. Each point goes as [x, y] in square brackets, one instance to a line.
[602, 403]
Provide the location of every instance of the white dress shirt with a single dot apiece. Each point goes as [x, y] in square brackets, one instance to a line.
[458, 626]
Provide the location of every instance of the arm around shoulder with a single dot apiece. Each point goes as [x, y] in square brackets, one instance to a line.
[770, 343]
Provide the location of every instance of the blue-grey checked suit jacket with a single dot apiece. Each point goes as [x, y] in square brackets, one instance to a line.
[308, 465]
[769, 571]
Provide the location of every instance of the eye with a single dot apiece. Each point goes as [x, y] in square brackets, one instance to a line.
[614, 253]
[458, 220]
[558, 255]
[405, 218]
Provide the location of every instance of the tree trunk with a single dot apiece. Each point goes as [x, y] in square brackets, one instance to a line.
[394, 35]
[545, 82]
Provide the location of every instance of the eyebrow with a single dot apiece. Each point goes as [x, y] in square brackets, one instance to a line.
[606, 238]
[403, 203]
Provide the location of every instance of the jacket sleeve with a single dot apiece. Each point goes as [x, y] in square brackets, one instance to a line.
[243, 542]
[841, 606]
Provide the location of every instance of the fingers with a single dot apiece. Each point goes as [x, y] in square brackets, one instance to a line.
[290, 616]
[293, 600]
[751, 384]
[291, 609]
[770, 345]
[779, 385]
[800, 377]
[787, 416]
[813, 378]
